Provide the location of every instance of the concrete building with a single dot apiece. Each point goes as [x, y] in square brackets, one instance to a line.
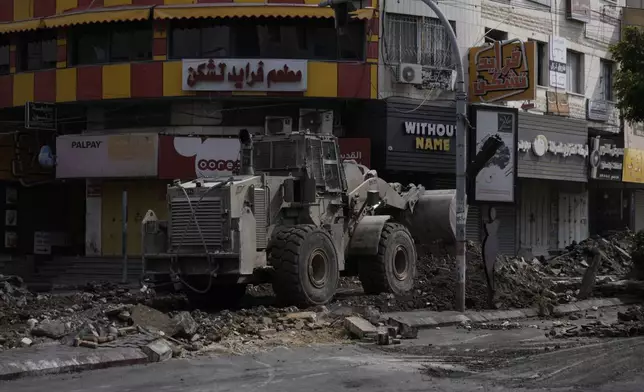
[554, 189]
[130, 94]
[633, 15]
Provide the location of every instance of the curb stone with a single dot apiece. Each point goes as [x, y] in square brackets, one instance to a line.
[424, 319]
[16, 364]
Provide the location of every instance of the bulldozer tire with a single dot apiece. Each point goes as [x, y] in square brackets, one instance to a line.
[393, 269]
[306, 266]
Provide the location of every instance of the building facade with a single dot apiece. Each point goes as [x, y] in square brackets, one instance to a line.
[633, 15]
[567, 104]
[128, 95]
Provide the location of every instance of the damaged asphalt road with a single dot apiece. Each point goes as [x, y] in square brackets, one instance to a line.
[461, 359]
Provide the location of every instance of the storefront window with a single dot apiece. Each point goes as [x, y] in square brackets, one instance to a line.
[4, 57]
[38, 51]
[113, 43]
[295, 39]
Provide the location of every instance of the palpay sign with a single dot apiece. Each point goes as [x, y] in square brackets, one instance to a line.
[430, 136]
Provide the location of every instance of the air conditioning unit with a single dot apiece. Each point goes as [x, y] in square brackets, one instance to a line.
[410, 73]
[316, 121]
[277, 124]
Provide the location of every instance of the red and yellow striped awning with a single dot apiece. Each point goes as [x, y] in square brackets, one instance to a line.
[201, 11]
[113, 14]
[22, 25]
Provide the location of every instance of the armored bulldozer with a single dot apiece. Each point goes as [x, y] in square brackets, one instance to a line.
[297, 216]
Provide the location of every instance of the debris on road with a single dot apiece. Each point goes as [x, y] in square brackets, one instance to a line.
[360, 328]
[629, 323]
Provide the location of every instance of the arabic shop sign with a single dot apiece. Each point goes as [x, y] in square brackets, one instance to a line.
[244, 75]
[541, 145]
[430, 136]
[503, 71]
[40, 115]
[633, 168]
[606, 160]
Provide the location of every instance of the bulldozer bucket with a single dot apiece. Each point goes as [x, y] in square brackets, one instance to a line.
[434, 217]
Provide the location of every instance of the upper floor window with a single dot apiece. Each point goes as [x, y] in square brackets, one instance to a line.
[417, 40]
[265, 38]
[606, 80]
[542, 63]
[37, 50]
[4, 57]
[493, 35]
[111, 43]
[575, 72]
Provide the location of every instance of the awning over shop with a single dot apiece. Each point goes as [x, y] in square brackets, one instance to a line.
[364, 13]
[23, 25]
[114, 14]
[241, 11]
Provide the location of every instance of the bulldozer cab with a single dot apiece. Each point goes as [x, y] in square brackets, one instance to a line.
[303, 155]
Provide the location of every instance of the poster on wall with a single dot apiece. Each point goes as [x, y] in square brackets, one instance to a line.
[557, 61]
[11, 195]
[42, 243]
[495, 182]
[11, 218]
[10, 239]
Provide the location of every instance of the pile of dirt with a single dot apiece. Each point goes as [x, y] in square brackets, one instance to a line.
[518, 285]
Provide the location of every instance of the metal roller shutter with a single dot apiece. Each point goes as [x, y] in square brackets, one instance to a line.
[507, 230]
[445, 182]
[639, 210]
[473, 227]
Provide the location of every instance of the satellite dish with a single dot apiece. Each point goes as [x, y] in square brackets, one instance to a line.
[46, 157]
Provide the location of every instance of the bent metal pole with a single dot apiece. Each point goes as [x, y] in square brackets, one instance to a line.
[461, 160]
[461, 156]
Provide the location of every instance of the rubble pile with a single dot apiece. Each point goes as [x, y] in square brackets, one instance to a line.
[109, 316]
[518, 285]
[629, 323]
[616, 259]
[504, 325]
[12, 291]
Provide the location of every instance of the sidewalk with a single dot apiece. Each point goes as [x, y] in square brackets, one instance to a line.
[422, 319]
[56, 358]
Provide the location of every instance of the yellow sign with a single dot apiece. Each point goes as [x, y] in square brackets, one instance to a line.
[432, 144]
[503, 72]
[633, 168]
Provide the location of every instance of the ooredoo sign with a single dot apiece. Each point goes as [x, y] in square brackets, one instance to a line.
[190, 157]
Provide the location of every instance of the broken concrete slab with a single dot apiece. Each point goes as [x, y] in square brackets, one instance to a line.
[145, 316]
[186, 326]
[360, 327]
[41, 360]
[158, 351]
[405, 329]
[50, 329]
[307, 316]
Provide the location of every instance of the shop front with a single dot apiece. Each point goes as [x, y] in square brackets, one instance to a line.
[119, 175]
[41, 216]
[552, 173]
[419, 147]
[633, 178]
[609, 197]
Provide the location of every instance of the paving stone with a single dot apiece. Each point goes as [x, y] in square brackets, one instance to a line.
[360, 327]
